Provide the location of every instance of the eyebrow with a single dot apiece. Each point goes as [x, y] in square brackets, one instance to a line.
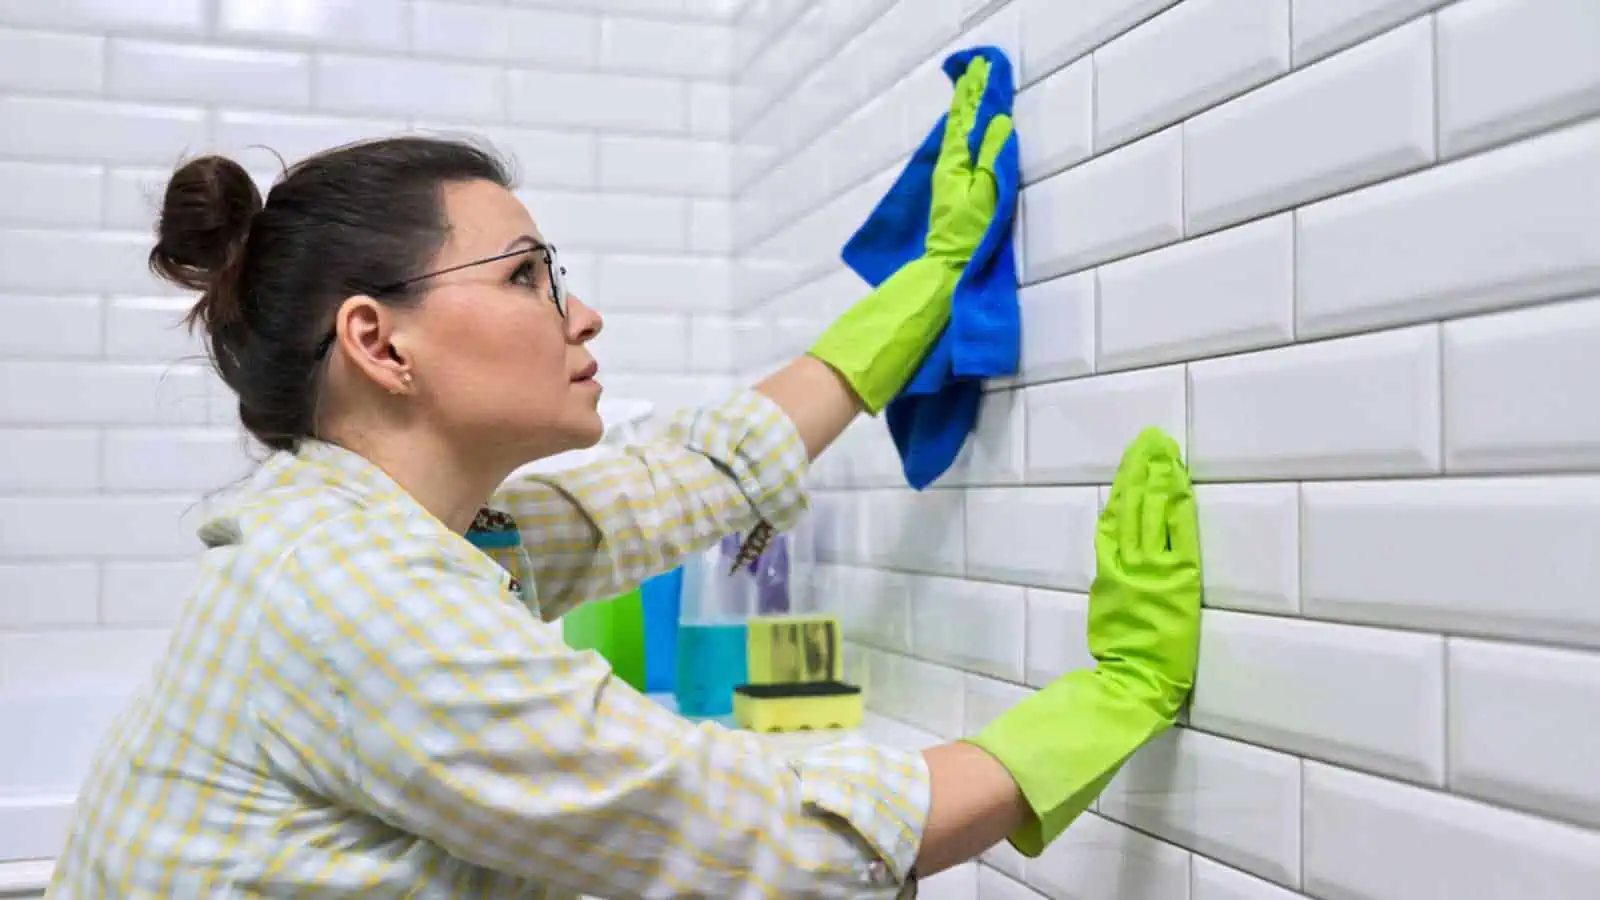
[528, 239]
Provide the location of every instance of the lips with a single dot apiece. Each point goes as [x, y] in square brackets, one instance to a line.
[587, 372]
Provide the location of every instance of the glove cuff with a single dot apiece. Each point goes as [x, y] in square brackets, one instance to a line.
[877, 345]
[1062, 746]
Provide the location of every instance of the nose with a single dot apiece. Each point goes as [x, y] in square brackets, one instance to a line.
[583, 323]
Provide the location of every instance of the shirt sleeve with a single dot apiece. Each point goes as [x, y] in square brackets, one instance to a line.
[597, 529]
[466, 721]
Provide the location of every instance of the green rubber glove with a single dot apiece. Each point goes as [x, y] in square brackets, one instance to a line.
[1064, 743]
[877, 345]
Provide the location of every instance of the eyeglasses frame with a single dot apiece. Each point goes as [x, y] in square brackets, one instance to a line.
[558, 282]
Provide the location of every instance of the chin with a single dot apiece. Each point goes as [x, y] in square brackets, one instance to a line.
[591, 437]
[589, 432]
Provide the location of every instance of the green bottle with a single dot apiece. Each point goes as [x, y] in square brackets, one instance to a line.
[614, 628]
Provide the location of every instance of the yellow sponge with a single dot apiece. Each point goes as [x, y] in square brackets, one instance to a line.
[796, 677]
[793, 649]
[776, 708]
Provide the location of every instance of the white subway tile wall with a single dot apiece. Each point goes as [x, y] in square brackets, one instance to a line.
[1347, 253]
[113, 430]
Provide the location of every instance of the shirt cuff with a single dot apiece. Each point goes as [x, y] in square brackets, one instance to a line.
[881, 793]
[753, 439]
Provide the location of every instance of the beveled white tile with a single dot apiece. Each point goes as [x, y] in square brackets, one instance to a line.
[666, 165]
[75, 130]
[1515, 738]
[987, 700]
[95, 393]
[1513, 400]
[1055, 33]
[240, 135]
[1097, 859]
[46, 327]
[1364, 115]
[598, 100]
[1508, 68]
[1058, 328]
[190, 460]
[144, 593]
[874, 607]
[643, 342]
[50, 62]
[1005, 858]
[127, 527]
[613, 222]
[1221, 798]
[1250, 546]
[180, 16]
[1057, 117]
[1449, 555]
[1041, 536]
[1361, 696]
[1321, 27]
[1493, 230]
[198, 73]
[49, 460]
[36, 661]
[1125, 202]
[641, 280]
[996, 884]
[920, 693]
[993, 451]
[151, 329]
[370, 24]
[1058, 629]
[1221, 293]
[546, 37]
[1078, 430]
[917, 531]
[1184, 60]
[36, 596]
[665, 47]
[1355, 407]
[387, 86]
[1369, 838]
[976, 626]
[1214, 881]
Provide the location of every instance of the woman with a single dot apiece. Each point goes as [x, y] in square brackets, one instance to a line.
[361, 701]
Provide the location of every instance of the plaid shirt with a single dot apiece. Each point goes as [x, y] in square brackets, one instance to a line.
[360, 702]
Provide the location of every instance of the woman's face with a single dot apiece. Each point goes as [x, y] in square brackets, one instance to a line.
[495, 362]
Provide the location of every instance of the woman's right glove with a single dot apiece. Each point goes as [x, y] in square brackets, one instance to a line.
[878, 344]
[1063, 743]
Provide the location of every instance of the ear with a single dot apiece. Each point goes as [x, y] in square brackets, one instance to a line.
[367, 334]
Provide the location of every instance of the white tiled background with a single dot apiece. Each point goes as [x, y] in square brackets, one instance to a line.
[112, 427]
[1347, 251]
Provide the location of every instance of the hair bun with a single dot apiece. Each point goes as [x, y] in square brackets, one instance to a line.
[205, 219]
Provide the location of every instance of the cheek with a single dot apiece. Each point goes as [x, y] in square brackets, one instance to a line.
[502, 355]
[538, 349]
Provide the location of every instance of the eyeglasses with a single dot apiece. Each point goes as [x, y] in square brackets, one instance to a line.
[553, 267]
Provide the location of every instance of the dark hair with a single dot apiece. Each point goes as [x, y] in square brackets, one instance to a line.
[347, 221]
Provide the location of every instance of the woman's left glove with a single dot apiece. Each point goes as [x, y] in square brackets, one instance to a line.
[1065, 742]
[877, 345]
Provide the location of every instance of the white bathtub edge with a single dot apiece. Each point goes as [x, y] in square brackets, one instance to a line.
[26, 877]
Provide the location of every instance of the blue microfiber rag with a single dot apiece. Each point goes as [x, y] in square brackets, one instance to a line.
[932, 415]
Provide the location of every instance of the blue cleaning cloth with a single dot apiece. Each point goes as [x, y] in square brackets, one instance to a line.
[932, 415]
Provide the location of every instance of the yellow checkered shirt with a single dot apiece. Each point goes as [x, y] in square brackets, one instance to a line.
[360, 702]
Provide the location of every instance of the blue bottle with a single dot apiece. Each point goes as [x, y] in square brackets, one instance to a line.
[661, 596]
